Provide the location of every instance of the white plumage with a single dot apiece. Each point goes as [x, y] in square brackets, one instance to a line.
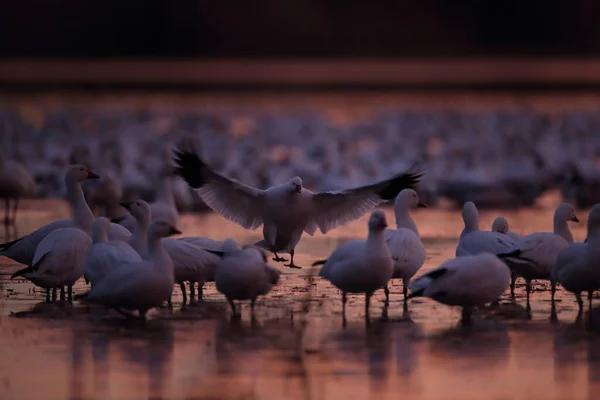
[286, 210]
[500, 225]
[104, 256]
[404, 243]
[140, 285]
[244, 275]
[58, 260]
[466, 281]
[473, 241]
[360, 266]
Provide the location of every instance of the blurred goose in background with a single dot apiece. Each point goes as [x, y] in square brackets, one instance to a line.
[473, 241]
[58, 260]
[404, 242]
[140, 285]
[467, 281]
[534, 256]
[577, 268]
[163, 207]
[244, 275]
[15, 183]
[286, 210]
[500, 225]
[361, 266]
[103, 256]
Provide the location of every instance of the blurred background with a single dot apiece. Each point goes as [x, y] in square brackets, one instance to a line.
[497, 101]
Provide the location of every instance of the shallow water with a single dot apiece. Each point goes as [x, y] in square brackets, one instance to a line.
[62, 352]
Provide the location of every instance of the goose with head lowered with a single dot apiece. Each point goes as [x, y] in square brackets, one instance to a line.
[140, 285]
[361, 266]
[286, 210]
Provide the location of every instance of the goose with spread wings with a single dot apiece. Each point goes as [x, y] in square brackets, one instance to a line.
[286, 210]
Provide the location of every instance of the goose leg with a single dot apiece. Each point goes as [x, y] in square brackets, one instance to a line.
[590, 304]
[53, 295]
[579, 303]
[252, 306]
[192, 292]
[367, 306]
[47, 295]
[277, 258]
[528, 290]
[513, 281]
[291, 264]
[183, 293]
[232, 304]
[200, 292]
[62, 293]
[387, 295]
[344, 299]
[552, 290]
[15, 208]
[466, 316]
[70, 294]
[405, 289]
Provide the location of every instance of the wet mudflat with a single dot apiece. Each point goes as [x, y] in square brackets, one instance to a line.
[297, 347]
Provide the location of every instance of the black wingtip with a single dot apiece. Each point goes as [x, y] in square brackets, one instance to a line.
[118, 220]
[8, 245]
[393, 186]
[219, 253]
[320, 262]
[189, 165]
[21, 272]
[514, 254]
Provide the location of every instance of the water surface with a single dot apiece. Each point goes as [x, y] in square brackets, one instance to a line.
[297, 347]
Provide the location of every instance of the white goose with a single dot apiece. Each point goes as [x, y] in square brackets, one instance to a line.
[404, 243]
[23, 249]
[533, 256]
[15, 182]
[500, 225]
[577, 268]
[58, 261]
[360, 266]
[286, 210]
[191, 263]
[466, 281]
[244, 275]
[164, 207]
[140, 285]
[104, 256]
[473, 241]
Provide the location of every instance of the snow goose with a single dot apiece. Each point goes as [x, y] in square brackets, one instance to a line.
[404, 243]
[286, 210]
[191, 263]
[104, 256]
[576, 267]
[500, 225]
[244, 275]
[22, 250]
[163, 207]
[474, 241]
[140, 285]
[467, 281]
[58, 260]
[360, 266]
[15, 182]
[533, 256]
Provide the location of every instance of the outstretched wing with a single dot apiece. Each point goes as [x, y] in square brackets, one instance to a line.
[335, 208]
[235, 201]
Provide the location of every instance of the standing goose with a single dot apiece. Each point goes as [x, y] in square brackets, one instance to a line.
[140, 285]
[15, 182]
[360, 266]
[533, 256]
[103, 256]
[500, 225]
[577, 268]
[23, 249]
[164, 207]
[467, 281]
[58, 260]
[244, 275]
[191, 263]
[474, 241]
[404, 243]
[286, 210]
